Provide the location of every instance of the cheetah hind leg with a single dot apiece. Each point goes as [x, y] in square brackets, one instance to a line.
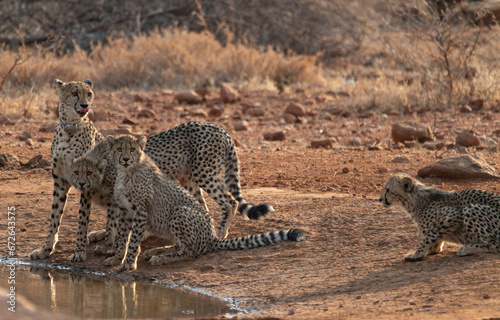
[166, 258]
[148, 254]
[471, 249]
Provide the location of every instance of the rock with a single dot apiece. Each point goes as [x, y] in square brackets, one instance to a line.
[367, 114]
[289, 118]
[345, 170]
[354, 142]
[198, 113]
[241, 125]
[275, 136]
[476, 104]
[465, 109]
[146, 113]
[255, 111]
[190, 97]
[129, 121]
[407, 131]
[433, 145]
[98, 115]
[215, 112]
[30, 142]
[33, 162]
[467, 139]
[382, 170]
[228, 93]
[346, 114]
[25, 136]
[400, 160]
[460, 167]
[322, 143]
[296, 109]
[334, 109]
[4, 161]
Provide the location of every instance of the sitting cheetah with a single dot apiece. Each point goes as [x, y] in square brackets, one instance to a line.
[161, 206]
[193, 153]
[74, 135]
[470, 217]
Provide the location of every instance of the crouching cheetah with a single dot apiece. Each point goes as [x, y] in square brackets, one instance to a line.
[193, 153]
[470, 217]
[74, 135]
[161, 206]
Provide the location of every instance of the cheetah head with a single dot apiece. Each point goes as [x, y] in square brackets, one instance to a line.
[87, 173]
[75, 100]
[126, 150]
[397, 188]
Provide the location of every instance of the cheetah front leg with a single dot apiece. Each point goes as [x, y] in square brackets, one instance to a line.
[437, 247]
[111, 231]
[433, 238]
[136, 236]
[59, 197]
[80, 253]
[120, 246]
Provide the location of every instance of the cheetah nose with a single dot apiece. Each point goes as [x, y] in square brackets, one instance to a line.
[82, 184]
[126, 159]
[84, 105]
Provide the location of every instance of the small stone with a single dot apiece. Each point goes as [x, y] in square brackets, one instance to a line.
[465, 109]
[146, 113]
[290, 118]
[476, 104]
[33, 162]
[408, 131]
[275, 136]
[400, 160]
[207, 268]
[129, 121]
[383, 170]
[334, 109]
[296, 109]
[467, 139]
[433, 145]
[322, 143]
[215, 112]
[190, 97]
[354, 142]
[29, 142]
[255, 112]
[3, 160]
[486, 296]
[345, 170]
[241, 125]
[367, 114]
[47, 128]
[228, 93]
[25, 136]
[198, 113]
[412, 303]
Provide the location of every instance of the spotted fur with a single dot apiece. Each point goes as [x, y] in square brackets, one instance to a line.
[74, 135]
[154, 202]
[470, 218]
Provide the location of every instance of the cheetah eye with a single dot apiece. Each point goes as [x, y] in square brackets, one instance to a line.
[132, 149]
[89, 95]
[89, 173]
[76, 173]
[119, 149]
[75, 93]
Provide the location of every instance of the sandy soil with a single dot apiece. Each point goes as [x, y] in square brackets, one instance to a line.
[350, 264]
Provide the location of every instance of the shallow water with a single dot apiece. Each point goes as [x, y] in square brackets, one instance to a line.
[87, 296]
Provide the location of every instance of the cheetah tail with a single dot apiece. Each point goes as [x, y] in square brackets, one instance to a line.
[232, 180]
[259, 240]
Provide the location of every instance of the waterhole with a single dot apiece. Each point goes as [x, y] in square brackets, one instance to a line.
[90, 296]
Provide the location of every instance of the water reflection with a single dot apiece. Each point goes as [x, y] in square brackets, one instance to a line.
[94, 297]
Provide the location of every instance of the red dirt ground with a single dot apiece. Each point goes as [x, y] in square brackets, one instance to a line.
[350, 264]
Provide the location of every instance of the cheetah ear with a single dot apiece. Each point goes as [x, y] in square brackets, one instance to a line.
[60, 83]
[110, 140]
[102, 165]
[407, 183]
[142, 142]
[89, 82]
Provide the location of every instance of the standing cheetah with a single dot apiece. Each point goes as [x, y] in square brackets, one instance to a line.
[74, 135]
[470, 217]
[159, 205]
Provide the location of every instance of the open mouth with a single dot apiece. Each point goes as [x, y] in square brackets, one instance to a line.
[126, 165]
[83, 111]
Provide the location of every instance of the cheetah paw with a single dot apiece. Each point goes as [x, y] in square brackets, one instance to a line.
[221, 234]
[96, 236]
[41, 253]
[413, 258]
[465, 251]
[78, 256]
[155, 261]
[128, 267]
